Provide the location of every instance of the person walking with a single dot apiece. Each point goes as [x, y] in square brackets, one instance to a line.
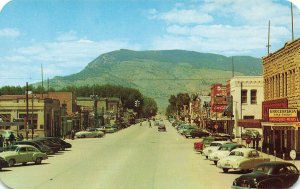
[12, 138]
[150, 126]
[72, 134]
[1, 140]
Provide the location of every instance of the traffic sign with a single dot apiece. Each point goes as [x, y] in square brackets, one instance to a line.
[293, 154]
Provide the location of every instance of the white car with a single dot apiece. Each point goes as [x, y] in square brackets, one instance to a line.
[89, 133]
[214, 146]
[224, 151]
[241, 159]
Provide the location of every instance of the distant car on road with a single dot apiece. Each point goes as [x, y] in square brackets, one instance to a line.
[269, 175]
[23, 154]
[244, 159]
[162, 128]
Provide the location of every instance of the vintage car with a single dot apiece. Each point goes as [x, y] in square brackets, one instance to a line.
[41, 147]
[199, 146]
[23, 154]
[244, 159]
[89, 133]
[269, 175]
[161, 128]
[3, 163]
[224, 151]
[250, 133]
[196, 133]
[214, 146]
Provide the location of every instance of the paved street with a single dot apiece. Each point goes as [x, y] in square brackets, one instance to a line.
[136, 157]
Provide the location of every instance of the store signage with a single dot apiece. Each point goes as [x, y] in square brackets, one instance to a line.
[283, 115]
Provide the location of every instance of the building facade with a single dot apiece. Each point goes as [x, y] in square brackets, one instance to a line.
[282, 94]
[42, 115]
[247, 97]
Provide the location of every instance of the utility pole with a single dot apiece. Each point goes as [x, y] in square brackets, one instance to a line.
[32, 126]
[26, 119]
[269, 38]
[232, 67]
[292, 15]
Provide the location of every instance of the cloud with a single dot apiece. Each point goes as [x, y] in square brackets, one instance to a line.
[66, 55]
[229, 27]
[9, 33]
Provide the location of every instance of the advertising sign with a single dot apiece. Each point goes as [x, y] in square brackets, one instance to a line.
[283, 115]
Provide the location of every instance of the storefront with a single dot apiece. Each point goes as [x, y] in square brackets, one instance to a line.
[281, 138]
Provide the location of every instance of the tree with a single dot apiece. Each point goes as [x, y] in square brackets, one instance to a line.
[149, 108]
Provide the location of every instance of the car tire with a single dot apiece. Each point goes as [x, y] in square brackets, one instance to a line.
[82, 136]
[215, 162]
[62, 148]
[24, 163]
[38, 160]
[225, 170]
[11, 162]
[206, 157]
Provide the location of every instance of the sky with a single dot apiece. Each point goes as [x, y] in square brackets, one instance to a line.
[65, 35]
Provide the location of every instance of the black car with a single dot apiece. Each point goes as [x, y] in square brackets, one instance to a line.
[60, 141]
[198, 133]
[273, 175]
[3, 163]
[54, 146]
[41, 147]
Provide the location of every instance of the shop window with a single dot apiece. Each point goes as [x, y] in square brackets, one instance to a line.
[248, 117]
[253, 96]
[244, 96]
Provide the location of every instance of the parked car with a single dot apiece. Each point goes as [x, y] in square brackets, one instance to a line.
[89, 133]
[23, 154]
[214, 146]
[269, 175]
[54, 146]
[3, 163]
[199, 146]
[244, 159]
[41, 147]
[184, 128]
[107, 129]
[250, 133]
[224, 151]
[196, 133]
[63, 143]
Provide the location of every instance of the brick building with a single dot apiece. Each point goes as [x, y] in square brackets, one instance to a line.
[282, 94]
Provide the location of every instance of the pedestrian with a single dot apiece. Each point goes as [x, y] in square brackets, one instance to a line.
[1, 140]
[21, 137]
[12, 138]
[72, 134]
[141, 123]
[257, 141]
[150, 126]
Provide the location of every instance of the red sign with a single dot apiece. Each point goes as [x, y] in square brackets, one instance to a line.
[283, 119]
[218, 108]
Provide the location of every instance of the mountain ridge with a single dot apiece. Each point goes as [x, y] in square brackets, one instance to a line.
[161, 73]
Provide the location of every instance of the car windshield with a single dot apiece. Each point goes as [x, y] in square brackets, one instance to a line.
[215, 144]
[263, 169]
[236, 153]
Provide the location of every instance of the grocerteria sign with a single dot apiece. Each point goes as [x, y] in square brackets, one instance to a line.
[283, 115]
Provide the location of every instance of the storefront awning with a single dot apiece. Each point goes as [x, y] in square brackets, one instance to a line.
[249, 123]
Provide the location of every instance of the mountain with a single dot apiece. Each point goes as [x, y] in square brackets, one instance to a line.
[159, 74]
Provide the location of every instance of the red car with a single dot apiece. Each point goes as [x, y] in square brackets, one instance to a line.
[199, 146]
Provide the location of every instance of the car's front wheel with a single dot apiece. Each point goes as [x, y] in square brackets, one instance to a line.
[225, 170]
[38, 160]
[11, 162]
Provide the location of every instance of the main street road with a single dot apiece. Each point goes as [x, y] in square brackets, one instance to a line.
[138, 157]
